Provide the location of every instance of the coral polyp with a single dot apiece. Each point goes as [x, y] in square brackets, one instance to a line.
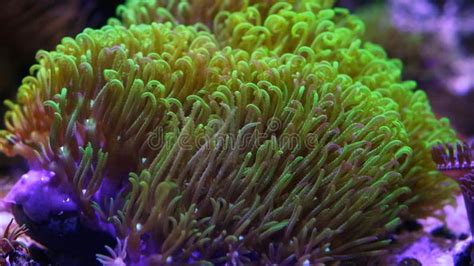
[226, 132]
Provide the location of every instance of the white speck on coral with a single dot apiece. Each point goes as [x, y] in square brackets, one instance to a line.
[306, 263]
[139, 226]
[144, 160]
[84, 191]
[169, 259]
[241, 238]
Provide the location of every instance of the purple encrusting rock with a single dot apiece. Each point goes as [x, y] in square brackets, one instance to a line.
[436, 249]
[54, 218]
[39, 196]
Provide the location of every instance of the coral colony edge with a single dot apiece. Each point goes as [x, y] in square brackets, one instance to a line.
[457, 162]
[221, 132]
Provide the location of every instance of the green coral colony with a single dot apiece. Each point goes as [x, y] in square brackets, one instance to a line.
[113, 121]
